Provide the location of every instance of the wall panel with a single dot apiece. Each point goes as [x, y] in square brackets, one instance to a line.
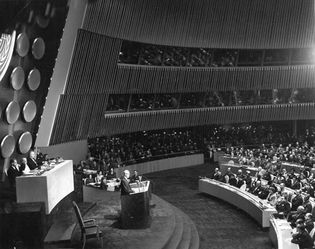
[96, 123]
[94, 69]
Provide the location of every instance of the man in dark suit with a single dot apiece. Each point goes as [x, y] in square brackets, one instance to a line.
[31, 160]
[124, 185]
[14, 171]
[135, 177]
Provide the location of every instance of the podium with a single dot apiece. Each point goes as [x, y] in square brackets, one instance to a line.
[135, 207]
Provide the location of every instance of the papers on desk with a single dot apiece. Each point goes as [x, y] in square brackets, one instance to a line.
[28, 174]
[139, 187]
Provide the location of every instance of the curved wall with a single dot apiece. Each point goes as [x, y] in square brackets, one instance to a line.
[206, 23]
[94, 72]
[94, 69]
[93, 122]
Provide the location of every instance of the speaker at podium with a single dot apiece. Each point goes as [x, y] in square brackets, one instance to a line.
[135, 207]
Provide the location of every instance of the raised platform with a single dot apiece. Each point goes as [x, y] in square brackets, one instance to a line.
[170, 227]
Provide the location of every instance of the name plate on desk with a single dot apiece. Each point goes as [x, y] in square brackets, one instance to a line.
[49, 186]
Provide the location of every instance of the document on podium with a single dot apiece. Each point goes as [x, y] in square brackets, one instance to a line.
[140, 187]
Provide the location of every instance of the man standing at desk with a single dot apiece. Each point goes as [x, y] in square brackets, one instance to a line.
[124, 185]
[31, 160]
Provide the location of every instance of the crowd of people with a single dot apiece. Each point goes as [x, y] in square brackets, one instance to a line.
[159, 55]
[135, 102]
[288, 192]
[126, 149]
[263, 146]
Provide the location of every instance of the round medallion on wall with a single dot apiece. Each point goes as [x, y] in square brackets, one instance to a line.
[7, 146]
[42, 22]
[38, 48]
[33, 79]
[29, 111]
[12, 112]
[17, 78]
[22, 44]
[25, 142]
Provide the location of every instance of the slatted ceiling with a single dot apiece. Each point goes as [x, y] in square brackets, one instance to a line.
[218, 23]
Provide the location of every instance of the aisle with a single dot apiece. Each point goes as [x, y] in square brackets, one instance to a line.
[220, 225]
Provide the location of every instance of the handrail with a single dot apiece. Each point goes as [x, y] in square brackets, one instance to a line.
[198, 109]
[161, 156]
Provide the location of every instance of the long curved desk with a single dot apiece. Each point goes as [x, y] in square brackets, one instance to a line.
[280, 234]
[50, 187]
[259, 209]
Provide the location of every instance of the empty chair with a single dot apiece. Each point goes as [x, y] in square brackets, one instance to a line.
[89, 229]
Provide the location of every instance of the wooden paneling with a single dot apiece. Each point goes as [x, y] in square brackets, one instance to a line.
[206, 23]
[75, 124]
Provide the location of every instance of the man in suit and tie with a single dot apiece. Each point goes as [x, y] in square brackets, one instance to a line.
[31, 160]
[14, 171]
[124, 185]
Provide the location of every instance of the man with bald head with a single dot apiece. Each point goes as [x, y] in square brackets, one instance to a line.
[31, 160]
[124, 185]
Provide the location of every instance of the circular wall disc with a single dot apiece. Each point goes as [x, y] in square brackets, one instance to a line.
[29, 111]
[38, 48]
[12, 112]
[17, 78]
[33, 79]
[25, 142]
[42, 22]
[7, 146]
[22, 44]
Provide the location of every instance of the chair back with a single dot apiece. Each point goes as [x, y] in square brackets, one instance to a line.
[78, 215]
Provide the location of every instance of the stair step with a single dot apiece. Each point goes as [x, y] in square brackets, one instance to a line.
[167, 231]
[177, 234]
[185, 241]
[194, 240]
[59, 232]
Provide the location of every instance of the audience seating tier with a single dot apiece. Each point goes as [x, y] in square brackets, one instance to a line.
[123, 79]
[69, 129]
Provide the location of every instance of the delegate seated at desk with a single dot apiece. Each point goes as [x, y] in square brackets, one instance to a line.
[136, 177]
[31, 160]
[124, 184]
[14, 171]
[24, 166]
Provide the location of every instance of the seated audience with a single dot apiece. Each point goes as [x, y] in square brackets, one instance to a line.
[283, 206]
[217, 174]
[302, 237]
[111, 175]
